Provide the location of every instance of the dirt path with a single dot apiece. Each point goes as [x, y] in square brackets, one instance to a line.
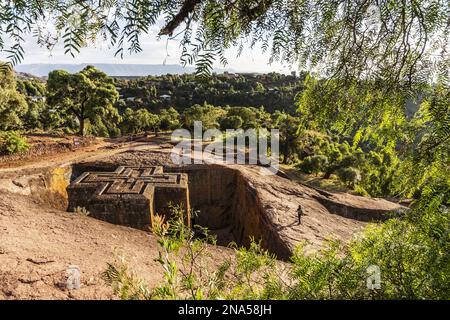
[93, 152]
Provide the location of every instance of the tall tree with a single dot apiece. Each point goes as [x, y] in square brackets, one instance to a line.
[209, 115]
[88, 94]
[13, 105]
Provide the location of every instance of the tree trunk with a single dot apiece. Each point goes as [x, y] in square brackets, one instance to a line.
[327, 175]
[330, 171]
[81, 119]
[81, 132]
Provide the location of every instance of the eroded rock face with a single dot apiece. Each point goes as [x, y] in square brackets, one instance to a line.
[129, 196]
[236, 203]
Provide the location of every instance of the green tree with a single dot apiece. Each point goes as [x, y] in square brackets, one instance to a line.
[129, 122]
[259, 88]
[231, 122]
[427, 159]
[290, 137]
[34, 91]
[13, 105]
[147, 120]
[208, 114]
[247, 114]
[141, 119]
[89, 95]
[169, 119]
[314, 164]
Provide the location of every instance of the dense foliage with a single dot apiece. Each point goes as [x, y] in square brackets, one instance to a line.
[399, 42]
[13, 106]
[383, 136]
[12, 142]
[411, 253]
[88, 94]
[273, 91]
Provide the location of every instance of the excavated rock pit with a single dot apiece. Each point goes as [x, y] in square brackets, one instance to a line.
[235, 202]
[221, 198]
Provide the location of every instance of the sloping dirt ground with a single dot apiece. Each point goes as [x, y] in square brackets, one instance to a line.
[37, 245]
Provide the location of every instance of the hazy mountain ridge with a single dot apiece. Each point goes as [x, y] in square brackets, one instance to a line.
[118, 70]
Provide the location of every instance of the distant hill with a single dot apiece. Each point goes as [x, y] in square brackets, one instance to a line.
[28, 76]
[118, 70]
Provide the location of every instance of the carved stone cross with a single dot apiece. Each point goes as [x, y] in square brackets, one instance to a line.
[130, 196]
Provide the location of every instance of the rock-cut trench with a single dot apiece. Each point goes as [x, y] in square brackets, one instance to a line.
[221, 197]
[229, 204]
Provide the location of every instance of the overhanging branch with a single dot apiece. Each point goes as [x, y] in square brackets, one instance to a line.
[186, 9]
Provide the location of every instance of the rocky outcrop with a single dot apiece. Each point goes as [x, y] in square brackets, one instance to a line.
[240, 202]
[235, 202]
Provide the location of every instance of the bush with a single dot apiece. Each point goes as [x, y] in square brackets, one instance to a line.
[350, 176]
[411, 256]
[12, 142]
[231, 122]
[188, 274]
[81, 211]
[314, 164]
[114, 132]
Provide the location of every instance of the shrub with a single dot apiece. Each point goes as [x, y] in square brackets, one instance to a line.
[81, 211]
[12, 142]
[314, 164]
[124, 283]
[114, 132]
[188, 273]
[231, 122]
[350, 176]
[411, 255]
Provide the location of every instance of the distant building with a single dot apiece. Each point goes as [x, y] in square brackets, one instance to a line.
[37, 98]
[250, 74]
[230, 74]
[131, 98]
[165, 96]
